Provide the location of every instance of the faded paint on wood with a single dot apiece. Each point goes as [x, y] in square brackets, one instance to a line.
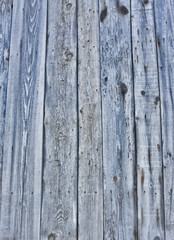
[22, 151]
[90, 185]
[164, 13]
[148, 128]
[59, 204]
[120, 217]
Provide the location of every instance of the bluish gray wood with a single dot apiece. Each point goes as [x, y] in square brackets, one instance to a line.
[22, 151]
[90, 190]
[5, 33]
[120, 215]
[148, 125]
[59, 205]
[165, 39]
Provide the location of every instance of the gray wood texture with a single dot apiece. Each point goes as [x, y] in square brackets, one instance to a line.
[59, 204]
[86, 120]
[118, 122]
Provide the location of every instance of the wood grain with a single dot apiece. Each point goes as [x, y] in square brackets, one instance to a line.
[59, 205]
[22, 151]
[90, 186]
[5, 35]
[164, 12]
[148, 124]
[120, 211]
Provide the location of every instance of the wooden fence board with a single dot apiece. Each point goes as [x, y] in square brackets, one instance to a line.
[5, 33]
[148, 125]
[120, 210]
[164, 11]
[59, 205]
[22, 153]
[90, 186]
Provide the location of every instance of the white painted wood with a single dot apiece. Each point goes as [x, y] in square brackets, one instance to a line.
[90, 185]
[164, 11]
[22, 151]
[148, 128]
[5, 33]
[120, 215]
[59, 205]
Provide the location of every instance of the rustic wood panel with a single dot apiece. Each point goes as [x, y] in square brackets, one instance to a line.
[165, 38]
[120, 210]
[59, 207]
[22, 152]
[148, 126]
[90, 186]
[5, 33]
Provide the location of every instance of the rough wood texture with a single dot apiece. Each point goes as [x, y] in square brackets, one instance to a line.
[165, 38]
[86, 120]
[120, 221]
[5, 34]
[59, 207]
[22, 160]
[148, 128]
[90, 187]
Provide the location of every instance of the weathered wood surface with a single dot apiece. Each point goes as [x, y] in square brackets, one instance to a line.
[86, 119]
[118, 122]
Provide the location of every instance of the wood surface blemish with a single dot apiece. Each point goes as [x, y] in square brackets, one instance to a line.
[123, 88]
[103, 14]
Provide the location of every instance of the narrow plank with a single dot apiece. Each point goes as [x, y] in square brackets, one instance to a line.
[22, 153]
[165, 39]
[148, 125]
[5, 33]
[120, 210]
[90, 186]
[59, 205]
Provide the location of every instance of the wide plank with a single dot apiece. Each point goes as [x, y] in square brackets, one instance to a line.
[22, 150]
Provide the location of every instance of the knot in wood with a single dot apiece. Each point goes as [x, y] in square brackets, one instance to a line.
[123, 88]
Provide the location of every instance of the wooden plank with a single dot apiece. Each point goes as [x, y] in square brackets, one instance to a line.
[120, 210]
[90, 186]
[22, 153]
[5, 33]
[59, 208]
[165, 39]
[148, 125]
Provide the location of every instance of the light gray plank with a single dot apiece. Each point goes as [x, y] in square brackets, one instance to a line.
[165, 44]
[59, 205]
[148, 128]
[5, 33]
[120, 215]
[22, 154]
[90, 198]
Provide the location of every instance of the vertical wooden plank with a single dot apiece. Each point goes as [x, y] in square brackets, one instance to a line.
[5, 33]
[22, 154]
[165, 39]
[148, 128]
[90, 198]
[120, 215]
[59, 208]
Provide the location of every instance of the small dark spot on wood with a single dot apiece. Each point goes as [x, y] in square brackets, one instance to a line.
[142, 213]
[69, 56]
[142, 176]
[123, 10]
[157, 238]
[12, 193]
[88, 41]
[115, 178]
[157, 99]
[137, 59]
[103, 14]
[143, 93]
[147, 29]
[169, 154]
[138, 31]
[89, 163]
[158, 146]
[123, 88]
[97, 149]
[158, 41]
[157, 216]
[84, 191]
[145, 117]
[160, 179]
[81, 110]
[146, 2]
[95, 192]
[145, 67]
[106, 79]
[52, 236]
[69, 5]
